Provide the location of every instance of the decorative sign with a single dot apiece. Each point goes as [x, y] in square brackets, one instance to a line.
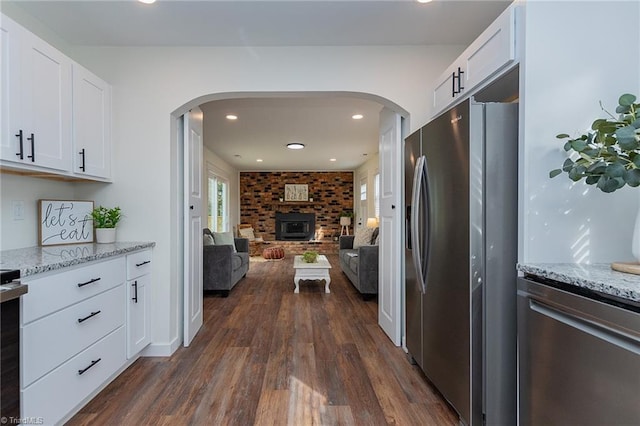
[296, 192]
[65, 222]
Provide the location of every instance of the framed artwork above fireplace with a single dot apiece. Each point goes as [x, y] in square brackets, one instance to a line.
[294, 192]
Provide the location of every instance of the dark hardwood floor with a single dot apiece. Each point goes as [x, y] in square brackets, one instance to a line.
[267, 356]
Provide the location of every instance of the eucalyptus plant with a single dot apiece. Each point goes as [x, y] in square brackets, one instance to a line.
[106, 218]
[609, 155]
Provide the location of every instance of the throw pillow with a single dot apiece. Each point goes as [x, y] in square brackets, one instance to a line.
[247, 233]
[374, 237]
[362, 237]
[207, 240]
[224, 239]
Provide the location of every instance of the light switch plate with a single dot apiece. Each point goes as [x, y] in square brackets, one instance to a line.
[17, 206]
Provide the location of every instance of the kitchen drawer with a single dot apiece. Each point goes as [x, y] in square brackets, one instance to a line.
[52, 340]
[58, 393]
[138, 264]
[52, 292]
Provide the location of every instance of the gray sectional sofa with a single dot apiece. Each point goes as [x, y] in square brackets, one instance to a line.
[222, 267]
[360, 265]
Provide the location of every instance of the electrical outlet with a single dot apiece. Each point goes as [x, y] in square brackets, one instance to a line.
[18, 209]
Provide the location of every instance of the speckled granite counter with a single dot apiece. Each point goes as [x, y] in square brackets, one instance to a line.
[35, 260]
[597, 277]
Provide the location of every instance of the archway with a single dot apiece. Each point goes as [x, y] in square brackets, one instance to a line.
[177, 173]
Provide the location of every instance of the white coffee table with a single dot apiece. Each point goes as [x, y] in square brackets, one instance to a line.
[312, 271]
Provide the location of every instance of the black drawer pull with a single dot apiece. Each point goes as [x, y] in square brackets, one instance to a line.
[81, 372]
[88, 282]
[93, 314]
[143, 263]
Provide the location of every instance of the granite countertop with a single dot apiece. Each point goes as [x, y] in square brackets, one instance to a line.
[35, 260]
[597, 277]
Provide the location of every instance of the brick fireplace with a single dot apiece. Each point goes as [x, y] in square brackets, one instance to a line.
[260, 194]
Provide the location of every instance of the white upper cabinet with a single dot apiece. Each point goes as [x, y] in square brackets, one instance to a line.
[91, 124]
[493, 51]
[36, 101]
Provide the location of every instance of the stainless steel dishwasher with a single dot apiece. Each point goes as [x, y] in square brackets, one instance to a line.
[579, 358]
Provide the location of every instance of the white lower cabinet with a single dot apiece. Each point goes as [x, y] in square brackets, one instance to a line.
[83, 324]
[139, 326]
[138, 301]
[55, 395]
[80, 326]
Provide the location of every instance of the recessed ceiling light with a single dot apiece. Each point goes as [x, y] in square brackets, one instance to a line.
[357, 116]
[295, 145]
[332, 159]
[231, 117]
[147, 1]
[259, 160]
[424, 1]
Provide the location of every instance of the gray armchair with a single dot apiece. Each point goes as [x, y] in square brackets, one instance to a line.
[222, 267]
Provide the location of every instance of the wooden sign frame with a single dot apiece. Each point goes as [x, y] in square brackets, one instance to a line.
[64, 222]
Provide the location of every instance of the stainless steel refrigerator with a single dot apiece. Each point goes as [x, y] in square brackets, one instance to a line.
[460, 257]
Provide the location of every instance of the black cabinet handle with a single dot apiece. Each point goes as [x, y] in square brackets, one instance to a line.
[82, 167]
[453, 84]
[21, 152]
[457, 78]
[93, 314]
[143, 263]
[81, 372]
[88, 282]
[33, 148]
[135, 291]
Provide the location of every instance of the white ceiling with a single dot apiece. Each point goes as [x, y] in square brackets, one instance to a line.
[266, 125]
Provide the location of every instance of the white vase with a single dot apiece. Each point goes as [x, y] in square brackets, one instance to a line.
[635, 243]
[105, 235]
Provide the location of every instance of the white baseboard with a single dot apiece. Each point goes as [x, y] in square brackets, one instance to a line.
[162, 349]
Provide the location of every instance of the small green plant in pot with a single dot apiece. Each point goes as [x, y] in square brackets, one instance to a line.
[609, 155]
[310, 256]
[104, 222]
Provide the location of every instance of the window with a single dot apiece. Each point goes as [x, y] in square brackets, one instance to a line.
[218, 217]
[362, 211]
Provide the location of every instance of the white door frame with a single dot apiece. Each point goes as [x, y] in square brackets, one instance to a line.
[177, 199]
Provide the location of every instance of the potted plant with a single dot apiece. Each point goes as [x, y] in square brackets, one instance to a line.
[345, 217]
[104, 222]
[310, 256]
[608, 155]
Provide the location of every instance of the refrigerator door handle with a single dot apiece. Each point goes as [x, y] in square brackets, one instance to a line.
[426, 234]
[415, 218]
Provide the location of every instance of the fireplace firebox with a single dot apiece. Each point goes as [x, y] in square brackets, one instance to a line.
[295, 226]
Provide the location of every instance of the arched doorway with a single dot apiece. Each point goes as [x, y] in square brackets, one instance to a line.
[391, 316]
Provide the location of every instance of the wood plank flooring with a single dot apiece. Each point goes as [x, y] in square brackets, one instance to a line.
[267, 356]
